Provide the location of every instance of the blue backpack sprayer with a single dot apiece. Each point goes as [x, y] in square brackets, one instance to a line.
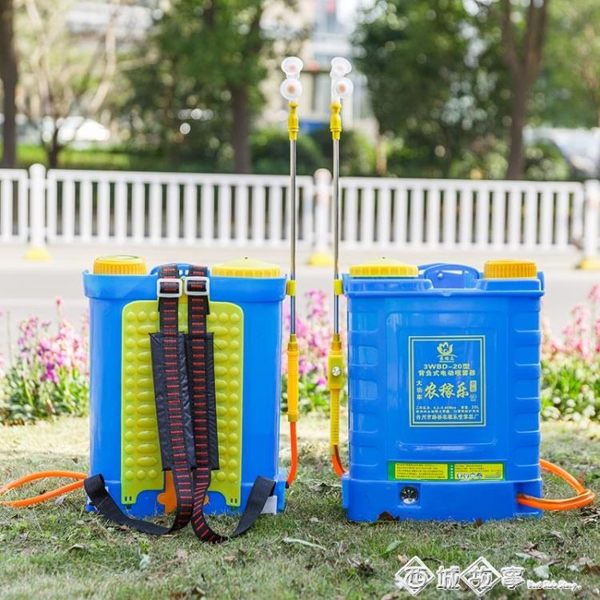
[185, 385]
[443, 384]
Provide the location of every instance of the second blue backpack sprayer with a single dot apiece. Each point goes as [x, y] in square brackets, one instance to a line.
[443, 384]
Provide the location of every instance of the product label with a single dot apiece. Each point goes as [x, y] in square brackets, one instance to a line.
[447, 381]
[413, 471]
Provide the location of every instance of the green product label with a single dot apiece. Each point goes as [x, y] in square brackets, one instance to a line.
[447, 381]
[430, 471]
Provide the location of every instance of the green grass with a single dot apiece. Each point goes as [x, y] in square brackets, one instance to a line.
[58, 550]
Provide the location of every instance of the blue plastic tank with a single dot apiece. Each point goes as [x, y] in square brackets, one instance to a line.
[246, 320]
[444, 391]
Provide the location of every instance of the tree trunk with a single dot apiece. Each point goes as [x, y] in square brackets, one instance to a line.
[381, 162]
[518, 116]
[53, 149]
[523, 59]
[9, 76]
[240, 129]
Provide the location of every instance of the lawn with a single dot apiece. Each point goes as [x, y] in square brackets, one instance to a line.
[60, 551]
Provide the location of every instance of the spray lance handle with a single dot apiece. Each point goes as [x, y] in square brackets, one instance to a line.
[341, 88]
[291, 90]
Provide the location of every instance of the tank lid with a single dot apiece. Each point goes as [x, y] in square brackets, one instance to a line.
[247, 267]
[120, 264]
[510, 269]
[384, 268]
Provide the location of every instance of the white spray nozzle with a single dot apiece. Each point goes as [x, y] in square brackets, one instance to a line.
[291, 89]
[340, 67]
[343, 87]
[292, 66]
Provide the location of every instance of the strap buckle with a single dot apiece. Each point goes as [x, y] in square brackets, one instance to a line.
[160, 293]
[196, 279]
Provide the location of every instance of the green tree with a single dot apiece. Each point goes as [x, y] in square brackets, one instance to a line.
[523, 25]
[208, 56]
[435, 74]
[8, 76]
[568, 90]
[60, 75]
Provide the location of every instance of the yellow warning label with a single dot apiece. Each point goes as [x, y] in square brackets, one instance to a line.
[413, 471]
[429, 471]
[478, 471]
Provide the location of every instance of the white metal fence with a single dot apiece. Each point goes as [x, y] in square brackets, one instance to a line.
[103, 206]
[68, 206]
[461, 213]
[14, 205]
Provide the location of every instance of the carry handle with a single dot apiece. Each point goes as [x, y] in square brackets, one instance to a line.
[450, 275]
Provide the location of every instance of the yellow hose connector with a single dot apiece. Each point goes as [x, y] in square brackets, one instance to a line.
[336, 380]
[335, 121]
[293, 376]
[293, 121]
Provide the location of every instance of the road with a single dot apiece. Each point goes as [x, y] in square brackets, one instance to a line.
[30, 288]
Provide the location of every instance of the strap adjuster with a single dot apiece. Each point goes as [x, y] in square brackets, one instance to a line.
[160, 293]
[196, 279]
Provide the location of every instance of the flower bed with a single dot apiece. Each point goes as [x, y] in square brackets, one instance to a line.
[48, 376]
[571, 365]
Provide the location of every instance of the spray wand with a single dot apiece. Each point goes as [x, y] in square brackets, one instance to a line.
[291, 90]
[341, 87]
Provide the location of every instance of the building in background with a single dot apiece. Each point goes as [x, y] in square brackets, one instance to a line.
[329, 25]
[324, 25]
[132, 19]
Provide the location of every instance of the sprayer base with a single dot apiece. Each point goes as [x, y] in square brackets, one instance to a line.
[425, 500]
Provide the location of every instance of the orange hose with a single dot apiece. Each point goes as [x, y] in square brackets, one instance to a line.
[336, 461]
[294, 459]
[65, 489]
[584, 496]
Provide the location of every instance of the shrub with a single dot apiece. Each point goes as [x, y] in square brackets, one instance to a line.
[571, 365]
[544, 162]
[270, 153]
[49, 374]
[357, 153]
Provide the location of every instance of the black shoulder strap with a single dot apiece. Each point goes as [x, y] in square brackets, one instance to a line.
[172, 404]
[200, 352]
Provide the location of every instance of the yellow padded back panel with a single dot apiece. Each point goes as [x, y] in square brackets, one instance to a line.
[141, 465]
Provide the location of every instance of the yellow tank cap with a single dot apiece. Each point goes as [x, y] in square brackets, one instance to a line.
[247, 267]
[510, 269]
[120, 264]
[384, 268]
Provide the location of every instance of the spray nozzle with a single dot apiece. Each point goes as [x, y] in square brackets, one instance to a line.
[340, 67]
[291, 66]
[343, 87]
[291, 89]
